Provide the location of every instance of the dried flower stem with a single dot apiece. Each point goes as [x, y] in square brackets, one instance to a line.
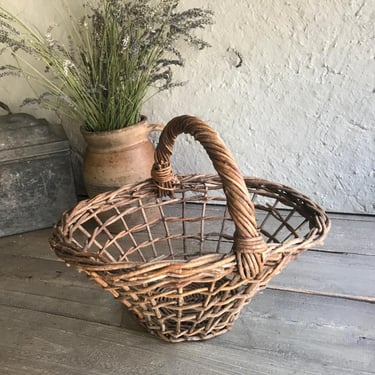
[116, 53]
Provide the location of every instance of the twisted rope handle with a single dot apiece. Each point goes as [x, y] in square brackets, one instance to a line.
[248, 244]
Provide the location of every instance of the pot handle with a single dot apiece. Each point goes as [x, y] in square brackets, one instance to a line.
[5, 107]
[155, 127]
[248, 244]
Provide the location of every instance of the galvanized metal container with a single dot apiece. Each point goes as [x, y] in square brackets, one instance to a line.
[36, 179]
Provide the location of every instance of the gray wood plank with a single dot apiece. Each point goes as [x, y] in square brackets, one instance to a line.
[311, 309]
[50, 286]
[30, 244]
[347, 275]
[80, 300]
[351, 216]
[104, 310]
[49, 279]
[29, 269]
[309, 329]
[64, 345]
[352, 234]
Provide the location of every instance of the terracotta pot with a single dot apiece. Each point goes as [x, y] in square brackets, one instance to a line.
[118, 157]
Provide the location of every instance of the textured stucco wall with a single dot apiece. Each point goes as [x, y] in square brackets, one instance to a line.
[299, 110]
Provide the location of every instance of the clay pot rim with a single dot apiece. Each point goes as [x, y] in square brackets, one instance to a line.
[88, 133]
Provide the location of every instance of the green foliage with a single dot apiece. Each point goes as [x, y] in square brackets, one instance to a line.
[119, 52]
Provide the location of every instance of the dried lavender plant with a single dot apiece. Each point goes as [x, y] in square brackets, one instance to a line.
[119, 52]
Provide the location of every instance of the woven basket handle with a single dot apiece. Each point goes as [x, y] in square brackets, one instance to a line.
[248, 244]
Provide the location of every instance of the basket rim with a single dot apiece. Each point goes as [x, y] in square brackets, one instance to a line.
[177, 267]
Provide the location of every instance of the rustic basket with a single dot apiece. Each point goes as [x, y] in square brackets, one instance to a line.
[187, 272]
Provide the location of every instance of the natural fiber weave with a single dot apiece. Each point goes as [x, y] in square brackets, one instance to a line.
[187, 271]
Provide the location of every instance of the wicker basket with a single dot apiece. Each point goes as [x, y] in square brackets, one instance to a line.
[187, 272]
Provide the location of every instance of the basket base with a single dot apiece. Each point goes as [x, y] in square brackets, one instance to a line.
[190, 316]
[130, 321]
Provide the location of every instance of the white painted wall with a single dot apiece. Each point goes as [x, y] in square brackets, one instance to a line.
[299, 110]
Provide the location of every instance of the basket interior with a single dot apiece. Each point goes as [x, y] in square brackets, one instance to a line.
[137, 227]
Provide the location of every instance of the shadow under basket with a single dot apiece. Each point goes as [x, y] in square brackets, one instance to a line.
[187, 272]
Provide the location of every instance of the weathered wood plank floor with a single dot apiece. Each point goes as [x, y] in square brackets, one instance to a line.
[316, 317]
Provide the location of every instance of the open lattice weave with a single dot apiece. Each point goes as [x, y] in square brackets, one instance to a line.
[186, 264]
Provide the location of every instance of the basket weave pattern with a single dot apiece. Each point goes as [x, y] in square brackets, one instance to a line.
[187, 271]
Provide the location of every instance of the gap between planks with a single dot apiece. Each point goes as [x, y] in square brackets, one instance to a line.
[325, 294]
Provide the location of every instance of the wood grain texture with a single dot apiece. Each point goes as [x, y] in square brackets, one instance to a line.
[351, 234]
[330, 273]
[71, 345]
[55, 321]
[324, 273]
[340, 238]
